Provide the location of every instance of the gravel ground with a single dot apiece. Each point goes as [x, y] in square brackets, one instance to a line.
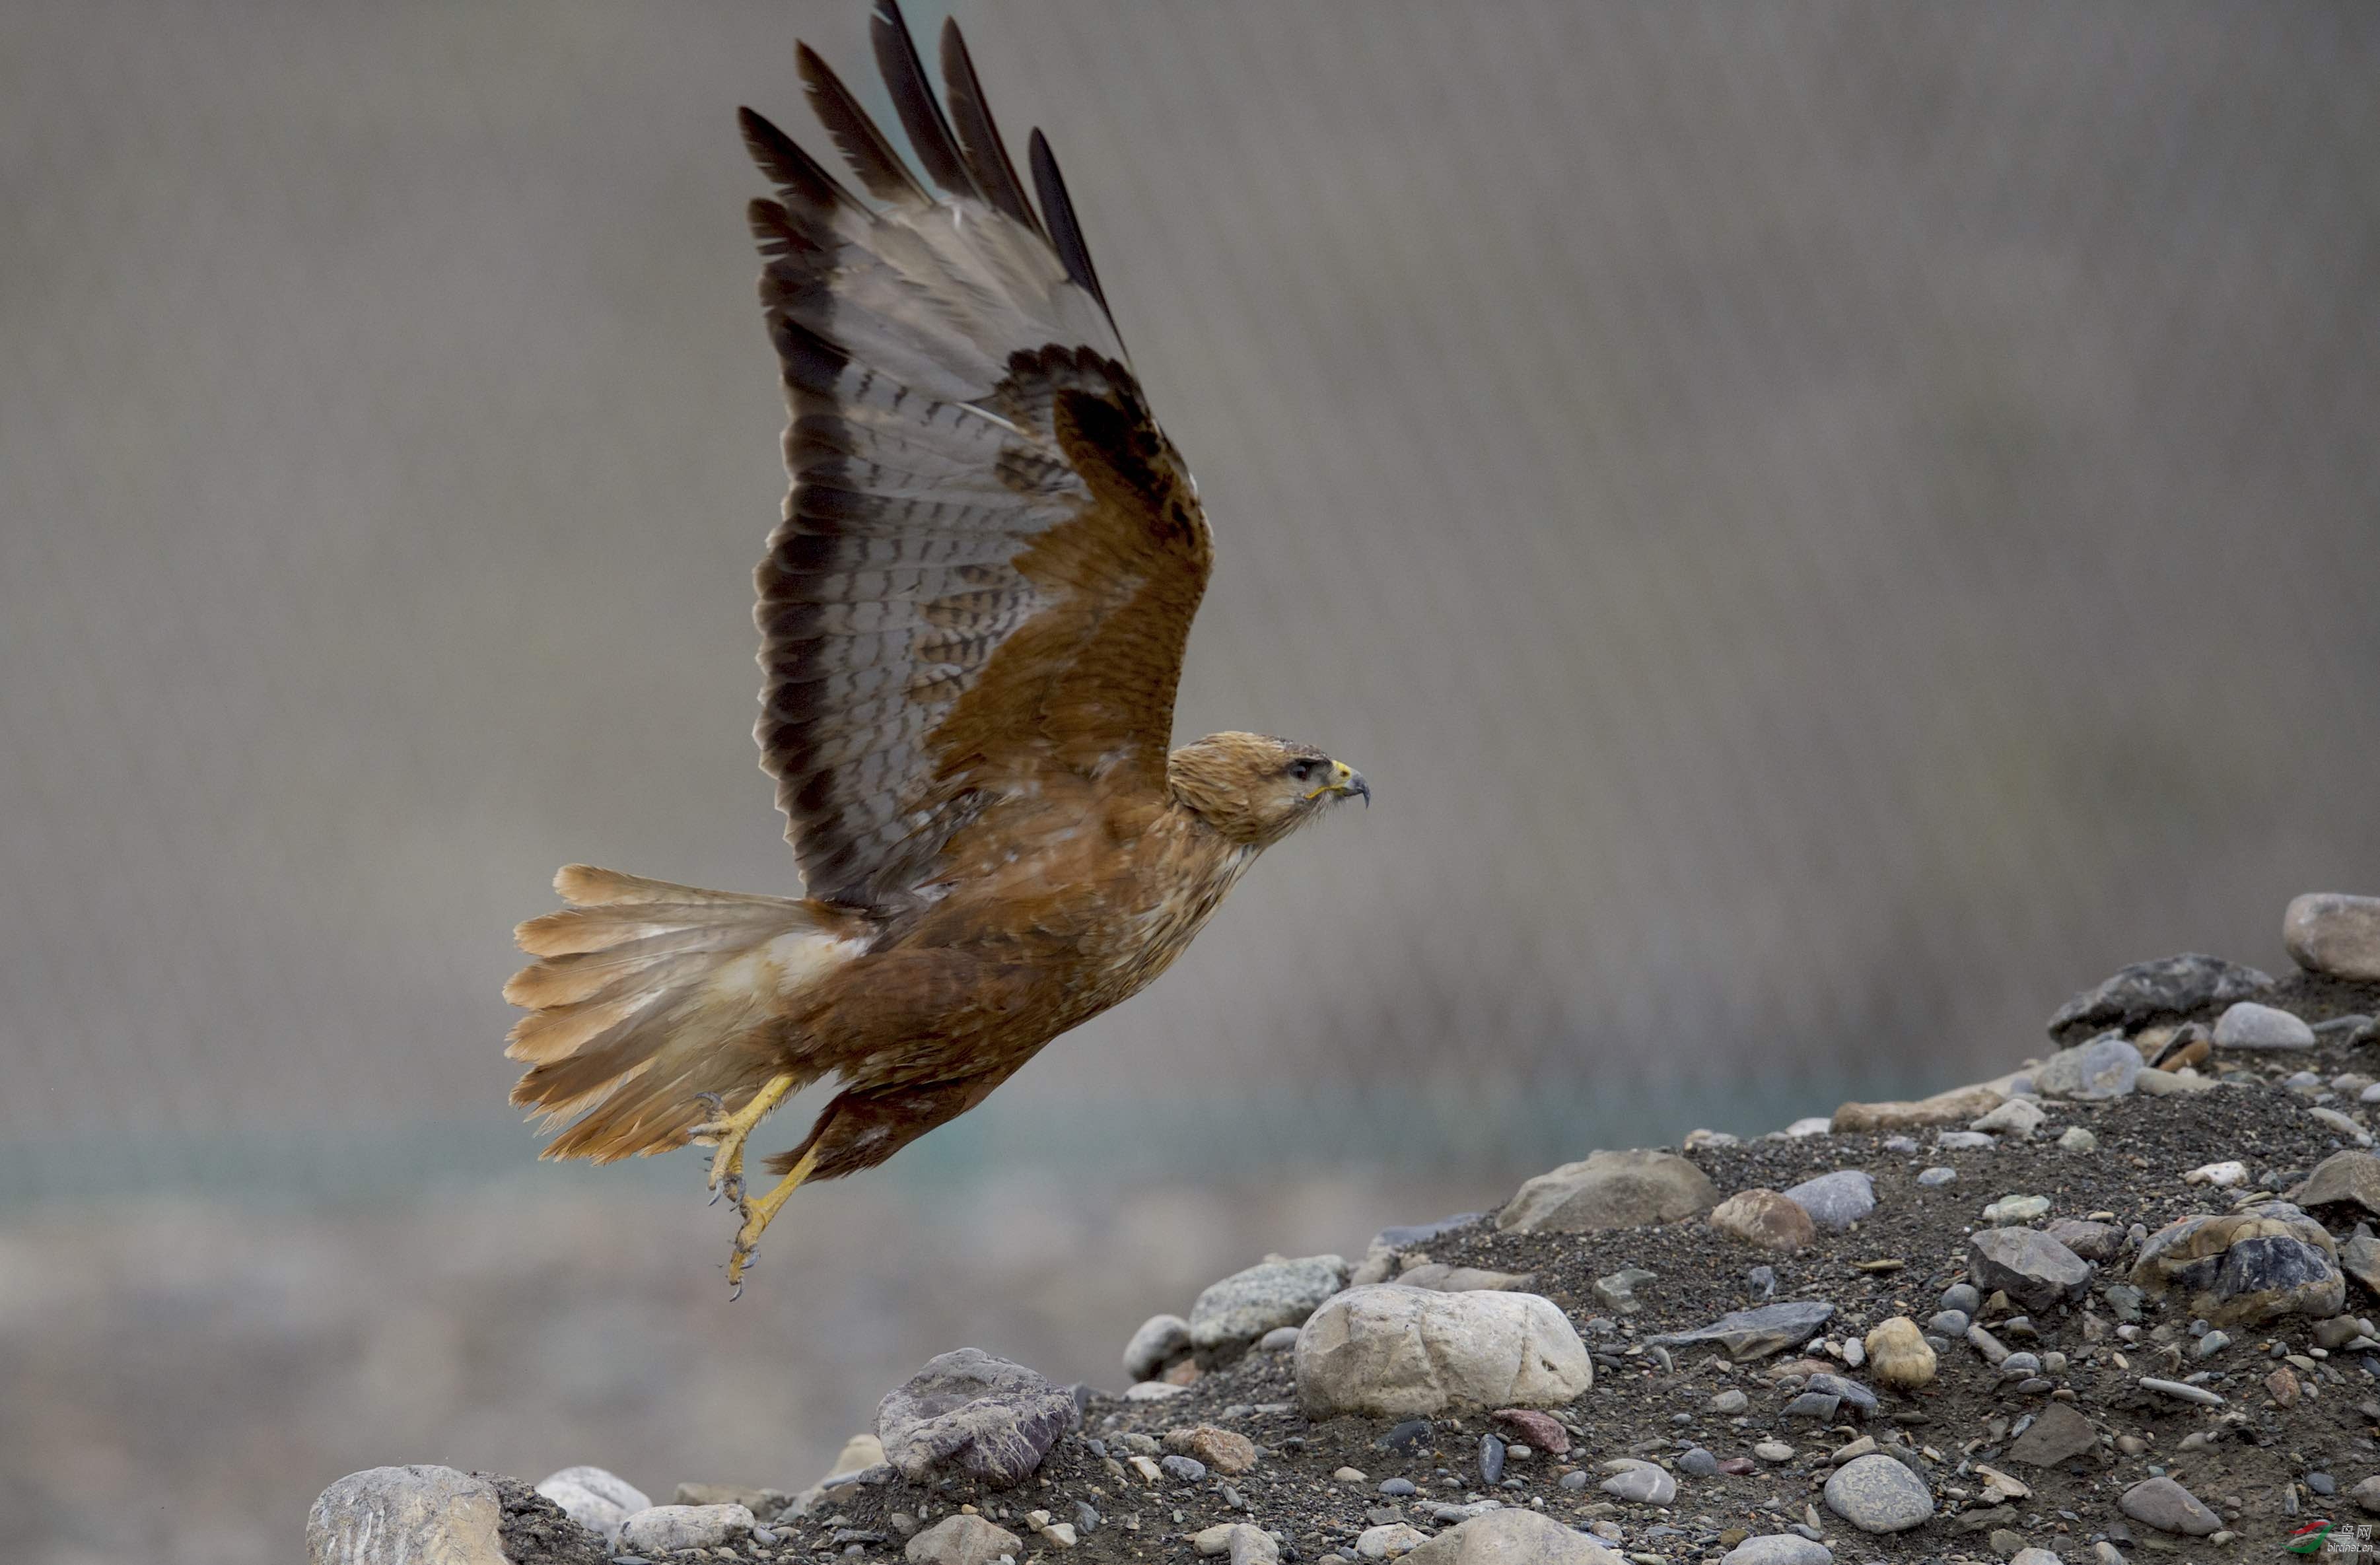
[2265, 1469]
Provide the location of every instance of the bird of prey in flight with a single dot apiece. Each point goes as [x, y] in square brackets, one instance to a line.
[972, 618]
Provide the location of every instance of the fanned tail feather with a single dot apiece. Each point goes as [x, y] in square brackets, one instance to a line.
[647, 994]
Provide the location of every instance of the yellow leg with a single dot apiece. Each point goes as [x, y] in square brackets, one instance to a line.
[759, 1215]
[729, 1132]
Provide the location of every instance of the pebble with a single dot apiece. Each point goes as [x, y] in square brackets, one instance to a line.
[1950, 1322]
[1963, 1141]
[2161, 1503]
[1639, 1481]
[2322, 1483]
[2212, 1343]
[1729, 1402]
[1773, 1451]
[1388, 1541]
[2094, 1242]
[596, 1500]
[1900, 1354]
[2017, 1365]
[2075, 1139]
[963, 1540]
[2334, 934]
[2059, 1435]
[1182, 1469]
[2252, 1026]
[1779, 1549]
[1752, 1333]
[2104, 1067]
[1962, 1296]
[2015, 1210]
[2034, 1270]
[1279, 1292]
[1280, 1340]
[1576, 1480]
[1161, 1340]
[1936, 1176]
[2222, 1176]
[2367, 1494]
[2246, 1267]
[1877, 1494]
[1396, 1488]
[1836, 1201]
[1385, 1351]
[1696, 1463]
[2019, 1117]
[1607, 1190]
[2343, 1125]
[1815, 1125]
[1618, 1290]
[1765, 1219]
[661, 1528]
[1491, 1460]
[2182, 1392]
[1225, 1450]
[1351, 1476]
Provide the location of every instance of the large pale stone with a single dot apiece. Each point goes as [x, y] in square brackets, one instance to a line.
[1631, 1189]
[1953, 1107]
[658, 1529]
[1247, 1305]
[594, 1498]
[1389, 1352]
[963, 1540]
[2243, 1269]
[413, 1515]
[2342, 1177]
[2334, 934]
[1511, 1537]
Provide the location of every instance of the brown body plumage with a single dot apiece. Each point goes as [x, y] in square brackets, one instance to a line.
[973, 618]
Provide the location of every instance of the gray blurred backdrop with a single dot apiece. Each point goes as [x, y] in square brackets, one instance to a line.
[1830, 526]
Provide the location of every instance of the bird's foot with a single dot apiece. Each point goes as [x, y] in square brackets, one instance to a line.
[757, 1216]
[726, 1132]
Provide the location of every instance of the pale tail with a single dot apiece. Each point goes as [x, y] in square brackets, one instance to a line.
[647, 994]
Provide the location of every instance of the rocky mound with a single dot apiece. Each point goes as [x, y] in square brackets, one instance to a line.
[2115, 1301]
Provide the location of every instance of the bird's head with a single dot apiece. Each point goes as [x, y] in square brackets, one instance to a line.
[1256, 790]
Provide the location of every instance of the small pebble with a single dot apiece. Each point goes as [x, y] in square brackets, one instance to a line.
[1962, 1297]
[1396, 1488]
[1491, 1460]
[1938, 1176]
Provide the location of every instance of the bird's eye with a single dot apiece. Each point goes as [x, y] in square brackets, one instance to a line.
[1304, 771]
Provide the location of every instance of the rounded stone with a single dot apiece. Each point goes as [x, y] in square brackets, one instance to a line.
[1161, 1340]
[2104, 1067]
[1512, 1536]
[596, 1500]
[1836, 1201]
[1639, 1481]
[1897, 1355]
[1876, 1493]
[969, 1415]
[1385, 1351]
[1607, 1189]
[1244, 1307]
[420, 1513]
[1779, 1549]
[963, 1540]
[2252, 1026]
[2334, 934]
[2029, 1266]
[2167, 1506]
[1765, 1220]
[658, 1529]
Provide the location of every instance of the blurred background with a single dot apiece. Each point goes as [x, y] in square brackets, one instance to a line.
[1829, 528]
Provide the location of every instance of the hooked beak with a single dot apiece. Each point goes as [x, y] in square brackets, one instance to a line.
[1344, 778]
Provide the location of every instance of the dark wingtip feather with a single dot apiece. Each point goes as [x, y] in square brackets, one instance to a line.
[1065, 231]
[913, 98]
[863, 146]
[796, 174]
[979, 136]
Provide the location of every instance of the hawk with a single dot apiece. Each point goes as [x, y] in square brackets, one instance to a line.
[972, 618]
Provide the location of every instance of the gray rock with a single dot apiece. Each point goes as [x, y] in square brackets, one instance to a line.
[2167, 1506]
[2342, 1178]
[2343, 1125]
[2094, 1242]
[1779, 1549]
[1631, 1189]
[2252, 1026]
[2104, 1067]
[594, 1498]
[1182, 1469]
[1247, 1305]
[1386, 1352]
[2035, 1556]
[1512, 1536]
[1639, 1483]
[1765, 1219]
[2148, 992]
[1963, 1141]
[1816, 1406]
[963, 1540]
[1491, 1460]
[1280, 1340]
[1466, 1279]
[1617, 1291]
[1161, 1340]
[1876, 1493]
[1754, 1333]
[2243, 1269]
[1850, 1392]
[2333, 934]
[2029, 1266]
[1964, 1297]
[2010, 1209]
[421, 1515]
[2074, 1138]
[968, 1414]
[2060, 1434]
[1936, 1176]
[1836, 1201]
[1948, 1323]
[1696, 1463]
[1729, 1402]
[658, 1529]
[2367, 1494]
[1389, 1540]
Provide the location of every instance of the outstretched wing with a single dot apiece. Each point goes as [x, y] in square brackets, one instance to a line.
[990, 555]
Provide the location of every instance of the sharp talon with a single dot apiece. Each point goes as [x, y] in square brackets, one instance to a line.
[715, 1194]
[735, 1291]
[718, 1104]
